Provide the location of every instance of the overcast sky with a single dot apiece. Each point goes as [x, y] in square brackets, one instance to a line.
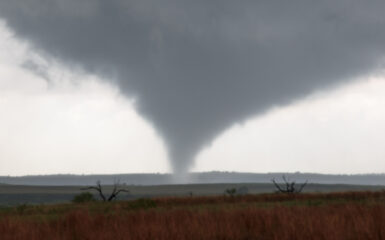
[66, 127]
[250, 95]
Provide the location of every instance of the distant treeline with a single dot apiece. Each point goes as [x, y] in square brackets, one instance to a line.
[195, 178]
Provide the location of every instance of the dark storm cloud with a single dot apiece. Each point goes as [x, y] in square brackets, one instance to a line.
[198, 66]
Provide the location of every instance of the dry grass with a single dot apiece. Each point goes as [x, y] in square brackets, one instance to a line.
[355, 215]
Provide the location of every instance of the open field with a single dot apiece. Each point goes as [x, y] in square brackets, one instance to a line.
[18, 194]
[332, 216]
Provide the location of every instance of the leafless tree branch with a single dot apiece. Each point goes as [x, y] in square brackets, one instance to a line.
[290, 187]
[98, 188]
[115, 191]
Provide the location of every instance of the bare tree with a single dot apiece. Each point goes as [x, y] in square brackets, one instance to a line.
[115, 191]
[289, 187]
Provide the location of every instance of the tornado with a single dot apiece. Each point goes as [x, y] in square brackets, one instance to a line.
[196, 67]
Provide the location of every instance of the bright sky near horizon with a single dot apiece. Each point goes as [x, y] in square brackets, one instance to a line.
[69, 127]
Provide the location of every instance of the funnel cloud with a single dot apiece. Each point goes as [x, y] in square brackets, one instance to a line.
[197, 67]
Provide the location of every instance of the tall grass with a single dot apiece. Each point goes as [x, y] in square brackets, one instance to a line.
[338, 216]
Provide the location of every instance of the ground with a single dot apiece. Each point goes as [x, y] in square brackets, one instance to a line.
[332, 216]
[200, 211]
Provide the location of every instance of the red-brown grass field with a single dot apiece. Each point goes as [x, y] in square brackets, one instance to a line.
[331, 216]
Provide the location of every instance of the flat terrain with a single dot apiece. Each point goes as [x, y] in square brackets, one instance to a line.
[331, 216]
[16, 194]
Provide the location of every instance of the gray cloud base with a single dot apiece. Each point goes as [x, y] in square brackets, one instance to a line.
[196, 67]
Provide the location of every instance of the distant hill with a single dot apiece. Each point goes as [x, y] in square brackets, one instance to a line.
[194, 178]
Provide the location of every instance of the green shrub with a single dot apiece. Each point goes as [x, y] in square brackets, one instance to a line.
[21, 208]
[83, 198]
[231, 192]
[142, 203]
